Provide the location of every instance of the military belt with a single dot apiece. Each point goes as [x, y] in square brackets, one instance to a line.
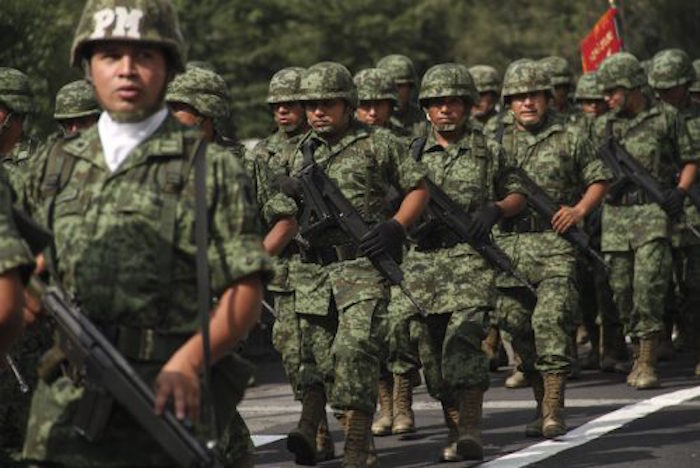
[438, 241]
[631, 198]
[330, 254]
[528, 224]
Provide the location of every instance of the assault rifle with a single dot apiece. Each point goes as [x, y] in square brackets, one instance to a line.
[546, 207]
[624, 166]
[326, 206]
[85, 346]
[443, 209]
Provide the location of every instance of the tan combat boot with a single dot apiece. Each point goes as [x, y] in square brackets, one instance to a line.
[357, 439]
[382, 426]
[646, 368]
[302, 440]
[404, 422]
[632, 376]
[516, 379]
[471, 402]
[451, 414]
[553, 406]
[534, 427]
[490, 346]
[324, 442]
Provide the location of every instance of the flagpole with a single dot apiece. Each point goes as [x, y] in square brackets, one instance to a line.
[619, 22]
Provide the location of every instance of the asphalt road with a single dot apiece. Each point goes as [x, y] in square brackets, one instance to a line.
[610, 424]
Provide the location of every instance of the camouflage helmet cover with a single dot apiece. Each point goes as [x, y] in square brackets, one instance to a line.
[399, 67]
[621, 69]
[15, 93]
[74, 100]
[558, 69]
[486, 78]
[285, 85]
[588, 87]
[148, 21]
[525, 76]
[202, 89]
[448, 79]
[695, 87]
[328, 80]
[374, 84]
[669, 68]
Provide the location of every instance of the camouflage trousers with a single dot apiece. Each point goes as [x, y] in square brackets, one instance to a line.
[639, 279]
[317, 367]
[404, 336]
[689, 288]
[286, 337]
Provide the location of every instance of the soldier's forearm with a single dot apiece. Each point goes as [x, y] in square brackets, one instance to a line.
[687, 176]
[512, 204]
[592, 197]
[280, 235]
[412, 205]
[11, 300]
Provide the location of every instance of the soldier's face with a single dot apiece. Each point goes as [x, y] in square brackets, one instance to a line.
[529, 109]
[593, 107]
[615, 98]
[561, 95]
[677, 96]
[487, 101]
[71, 126]
[375, 112]
[10, 129]
[405, 91]
[288, 115]
[447, 113]
[128, 77]
[188, 116]
[327, 116]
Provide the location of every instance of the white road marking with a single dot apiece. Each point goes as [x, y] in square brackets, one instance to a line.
[593, 429]
[264, 439]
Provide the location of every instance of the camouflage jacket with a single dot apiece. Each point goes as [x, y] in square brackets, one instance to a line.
[691, 118]
[14, 252]
[411, 120]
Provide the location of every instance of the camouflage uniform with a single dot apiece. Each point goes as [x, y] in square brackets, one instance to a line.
[695, 87]
[412, 118]
[636, 231]
[376, 84]
[76, 99]
[560, 74]
[124, 245]
[562, 162]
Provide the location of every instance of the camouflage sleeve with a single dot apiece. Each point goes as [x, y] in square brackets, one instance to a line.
[591, 167]
[402, 170]
[273, 204]
[235, 249]
[14, 252]
[504, 181]
[686, 149]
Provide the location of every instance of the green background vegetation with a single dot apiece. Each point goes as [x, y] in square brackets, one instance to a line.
[247, 41]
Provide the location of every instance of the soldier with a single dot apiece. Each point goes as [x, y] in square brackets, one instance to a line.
[76, 107]
[639, 255]
[562, 162]
[407, 115]
[119, 198]
[363, 163]
[562, 79]
[15, 105]
[671, 76]
[695, 87]
[448, 274]
[488, 84]
[589, 96]
[377, 98]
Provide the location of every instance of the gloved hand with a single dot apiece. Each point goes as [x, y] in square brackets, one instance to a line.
[673, 202]
[484, 219]
[289, 186]
[386, 237]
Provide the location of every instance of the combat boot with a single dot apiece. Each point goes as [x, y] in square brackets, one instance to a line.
[592, 359]
[451, 415]
[646, 367]
[357, 439]
[664, 346]
[469, 445]
[382, 426]
[534, 427]
[325, 450]
[553, 406]
[404, 421]
[302, 440]
[491, 346]
[615, 356]
[516, 379]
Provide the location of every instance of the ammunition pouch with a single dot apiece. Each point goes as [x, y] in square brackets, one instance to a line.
[630, 197]
[330, 254]
[524, 224]
[437, 239]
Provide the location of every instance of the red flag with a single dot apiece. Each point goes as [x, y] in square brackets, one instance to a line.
[602, 41]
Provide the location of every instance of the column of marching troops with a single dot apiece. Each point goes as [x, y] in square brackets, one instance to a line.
[115, 186]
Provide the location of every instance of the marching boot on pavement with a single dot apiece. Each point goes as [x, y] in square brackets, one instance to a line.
[553, 406]
[357, 439]
[534, 427]
[325, 450]
[469, 445]
[451, 414]
[491, 346]
[615, 355]
[646, 377]
[404, 419]
[301, 441]
[517, 378]
[383, 425]
[592, 359]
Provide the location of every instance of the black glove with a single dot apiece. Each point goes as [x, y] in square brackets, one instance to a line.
[484, 219]
[673, 202]
[290, 186]
[386, 237]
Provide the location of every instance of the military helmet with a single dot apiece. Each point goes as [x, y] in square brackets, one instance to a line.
[328, 80]
[525, 76]
[148, 21]
[621, 69]
[374, 84]
[558, 69]
[74, 100]
[447, 79]
[399, 67]
[486, 78]
[695, 87]
[15, 93]
[202, 89]
[200, 64]
[588, 87]
[669, 68]
[285, 85]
